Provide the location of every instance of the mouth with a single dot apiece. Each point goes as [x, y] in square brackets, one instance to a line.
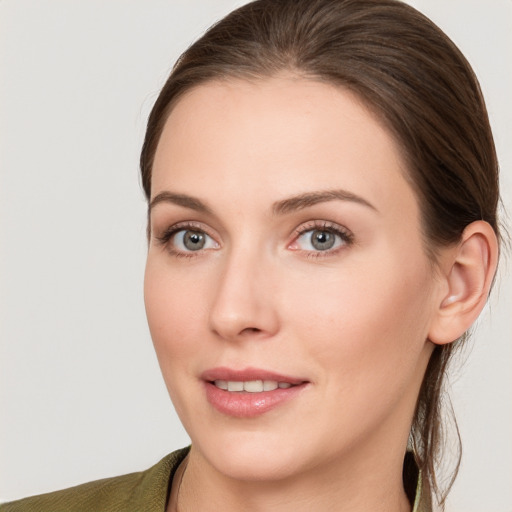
[251, 386]
[251, 392]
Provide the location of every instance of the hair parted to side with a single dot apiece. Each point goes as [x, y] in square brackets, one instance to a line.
[411, 75]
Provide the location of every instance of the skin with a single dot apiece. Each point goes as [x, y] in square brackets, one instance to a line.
[353, 321]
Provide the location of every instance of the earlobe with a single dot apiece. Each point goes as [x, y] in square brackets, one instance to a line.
[468, 272]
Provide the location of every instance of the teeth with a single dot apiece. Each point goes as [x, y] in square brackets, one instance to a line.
[251, 386]
[270, 385]
[222, 384]
[235, 386]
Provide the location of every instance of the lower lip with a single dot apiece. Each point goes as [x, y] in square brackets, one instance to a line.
[242, 404]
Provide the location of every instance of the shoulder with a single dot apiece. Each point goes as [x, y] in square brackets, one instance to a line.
[145, 490]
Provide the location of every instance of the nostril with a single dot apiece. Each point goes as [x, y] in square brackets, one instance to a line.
[251, 330]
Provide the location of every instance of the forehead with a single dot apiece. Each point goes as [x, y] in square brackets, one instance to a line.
[277, 136]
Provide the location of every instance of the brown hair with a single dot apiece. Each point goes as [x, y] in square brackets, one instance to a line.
[415, 79]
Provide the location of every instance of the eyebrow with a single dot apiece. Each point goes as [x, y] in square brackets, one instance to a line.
[291, 204]
[184, 200]
[308, 199]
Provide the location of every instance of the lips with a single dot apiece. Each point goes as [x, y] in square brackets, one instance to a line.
[251, 386]
[250, 392]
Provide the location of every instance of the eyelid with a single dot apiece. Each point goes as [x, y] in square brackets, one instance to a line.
[164, 234]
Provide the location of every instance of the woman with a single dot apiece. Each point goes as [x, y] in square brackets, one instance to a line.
[322, 190]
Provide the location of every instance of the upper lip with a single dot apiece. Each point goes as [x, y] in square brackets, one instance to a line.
[247, 374]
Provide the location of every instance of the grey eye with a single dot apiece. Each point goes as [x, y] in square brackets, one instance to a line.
[318, 240]
[187, 240]
[193, 240]
[322, 240]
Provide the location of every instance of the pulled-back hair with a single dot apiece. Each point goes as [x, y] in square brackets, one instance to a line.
[413, 77]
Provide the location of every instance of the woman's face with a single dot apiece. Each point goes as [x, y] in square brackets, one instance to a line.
[286, 253]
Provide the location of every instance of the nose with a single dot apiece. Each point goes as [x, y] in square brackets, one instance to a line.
[244, 303]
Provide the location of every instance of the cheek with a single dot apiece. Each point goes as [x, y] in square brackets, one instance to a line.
[173, 312]
[365, 334]
[365, 322]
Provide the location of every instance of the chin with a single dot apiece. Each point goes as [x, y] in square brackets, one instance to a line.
[253, 455]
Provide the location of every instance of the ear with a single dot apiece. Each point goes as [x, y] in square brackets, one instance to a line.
[467, 272]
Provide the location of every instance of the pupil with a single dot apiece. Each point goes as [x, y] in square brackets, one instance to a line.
[193, 240]
[322, 240]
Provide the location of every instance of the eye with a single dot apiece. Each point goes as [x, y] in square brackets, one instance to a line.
[188, 240]
[318, 240]
[321, 238]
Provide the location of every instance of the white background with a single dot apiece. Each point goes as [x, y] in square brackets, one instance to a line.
[81, 396]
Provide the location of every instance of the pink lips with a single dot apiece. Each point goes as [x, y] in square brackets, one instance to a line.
[245, 404]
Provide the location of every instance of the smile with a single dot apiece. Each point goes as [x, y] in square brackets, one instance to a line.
[251, 392]
[251, 386]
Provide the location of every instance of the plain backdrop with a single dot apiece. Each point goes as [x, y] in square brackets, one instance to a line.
[81, 396]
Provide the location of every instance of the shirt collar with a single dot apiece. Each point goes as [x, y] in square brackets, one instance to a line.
[417, 499]
[422, 501]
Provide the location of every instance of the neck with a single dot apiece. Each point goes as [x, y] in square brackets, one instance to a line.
[355, 485]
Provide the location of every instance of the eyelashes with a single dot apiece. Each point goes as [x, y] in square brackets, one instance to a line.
[313, 239]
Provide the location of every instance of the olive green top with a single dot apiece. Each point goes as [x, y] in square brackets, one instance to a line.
[146, 491]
